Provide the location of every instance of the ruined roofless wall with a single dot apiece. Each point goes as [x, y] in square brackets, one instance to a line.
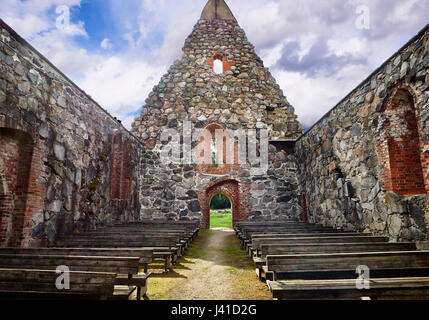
[83, 165]
[364, 166]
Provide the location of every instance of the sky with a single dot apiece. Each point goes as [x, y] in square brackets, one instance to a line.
[117, 50]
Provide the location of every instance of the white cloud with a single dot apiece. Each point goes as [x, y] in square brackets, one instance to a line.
[156, 30]
[120, 83]
[106, 44]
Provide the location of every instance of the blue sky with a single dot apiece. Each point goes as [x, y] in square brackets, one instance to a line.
[118, 50]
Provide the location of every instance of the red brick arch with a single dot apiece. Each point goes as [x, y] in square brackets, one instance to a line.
[399, 149]
[203, 147]
[231, 188]
[121, 168]
[22, 193]
[219, 56]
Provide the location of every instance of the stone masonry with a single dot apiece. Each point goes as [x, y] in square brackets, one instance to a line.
[364, 166]
[60, 153]
[67, 166]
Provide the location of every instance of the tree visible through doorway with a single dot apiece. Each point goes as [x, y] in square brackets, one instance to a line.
[220, 212]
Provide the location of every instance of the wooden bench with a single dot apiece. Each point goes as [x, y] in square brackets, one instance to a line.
[126, 268]
[322, 248]
[183, 238]
[135, 240]
[278, 229]
[21, 284]
[247, 239]
[193, 226]
[302, 234]
[390, 288]
[145, 254]
[343, 265]
[294, 234]
[240, 226]
[248, 243]
[313, 239]
[161, 246]
[247, 235]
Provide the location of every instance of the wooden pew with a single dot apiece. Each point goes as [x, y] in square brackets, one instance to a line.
[292, 234]
[382, 288]
[314, 238]
[322, 248]
[246, 234]
[190, 226]
[145, 255]
[278, 229]
[248, 243]
[161, 246]
[183, 238]
[240, 226]
[18, 284]
[126, 268]
[343, 265]
[247, 238]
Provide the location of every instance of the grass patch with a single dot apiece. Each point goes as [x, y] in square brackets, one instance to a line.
[232, 270]
[194, 253]
[231, 251]
[221, 222]
[196, 250]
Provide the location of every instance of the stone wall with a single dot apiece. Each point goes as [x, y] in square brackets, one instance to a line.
[61, 155]
[244, 97]
[364, 166]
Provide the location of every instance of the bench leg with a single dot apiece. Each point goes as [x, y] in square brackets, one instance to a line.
[167, 263]
[259, 274]
[141, 291]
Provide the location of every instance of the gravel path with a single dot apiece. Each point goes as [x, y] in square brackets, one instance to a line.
[213, 268]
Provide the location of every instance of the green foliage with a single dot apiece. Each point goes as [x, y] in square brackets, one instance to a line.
[220, 202]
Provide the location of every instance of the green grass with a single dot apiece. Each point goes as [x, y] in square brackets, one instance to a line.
[232, 270]
[224, 222]
[231, 251]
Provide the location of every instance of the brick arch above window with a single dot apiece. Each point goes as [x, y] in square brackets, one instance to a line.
[224, 144]
[218, 56]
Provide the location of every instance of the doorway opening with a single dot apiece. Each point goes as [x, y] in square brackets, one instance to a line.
[220, 211]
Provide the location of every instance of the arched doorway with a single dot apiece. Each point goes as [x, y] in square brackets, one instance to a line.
[399, 148]
[16, 148]
[220, 211]
[232, 189]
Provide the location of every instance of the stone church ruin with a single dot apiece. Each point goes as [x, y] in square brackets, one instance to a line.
[68, 167]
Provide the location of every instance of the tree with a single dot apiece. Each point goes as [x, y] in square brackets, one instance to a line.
[220, 202]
